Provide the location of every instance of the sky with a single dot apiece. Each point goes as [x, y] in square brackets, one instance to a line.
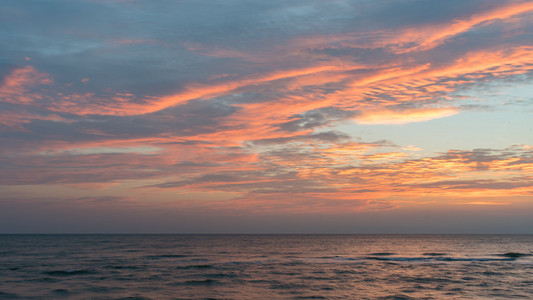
[253, 116]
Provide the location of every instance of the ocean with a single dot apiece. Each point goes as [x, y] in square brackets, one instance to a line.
[266, 266]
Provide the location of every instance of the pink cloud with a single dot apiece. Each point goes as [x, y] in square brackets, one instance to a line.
[16, 86]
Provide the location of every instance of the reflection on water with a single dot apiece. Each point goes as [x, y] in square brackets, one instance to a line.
[265, 266]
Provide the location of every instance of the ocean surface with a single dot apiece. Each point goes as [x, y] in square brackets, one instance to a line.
[266, 266]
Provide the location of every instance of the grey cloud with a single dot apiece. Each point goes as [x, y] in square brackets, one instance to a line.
[489, 184]
[79, 169]
[253, 182]
[187, 120]
[482, 156]
[328, 137]
[315, 118]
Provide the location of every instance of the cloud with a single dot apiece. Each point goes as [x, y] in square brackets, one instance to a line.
[329, 136]
[485, 203]
[13, 119]
[258, 100]
[427, 34]
[431, 36]
[404, 117]
[16, 87]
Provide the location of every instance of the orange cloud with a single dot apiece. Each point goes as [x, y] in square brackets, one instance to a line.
[14, 120]
[203, 91]
[124, 104]
[420, 38]
[485, 203]
[349, 182]
[404, 116]
[300, 90]
[15, 87]
[433, 35]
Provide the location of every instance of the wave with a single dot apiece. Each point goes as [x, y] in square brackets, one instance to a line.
[382, 254]
[63, 292]
[68, 272]
[8, 295]
[428, 257]
[119, 267]
[195, 267]
[396, 297]
[439, 259]
[165, 256]
[201, 282]
[347, 258]
[514, 254]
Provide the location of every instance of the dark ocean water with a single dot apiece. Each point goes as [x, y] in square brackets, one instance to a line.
[266, 266]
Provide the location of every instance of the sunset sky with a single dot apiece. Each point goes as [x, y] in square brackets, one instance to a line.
[275, 116]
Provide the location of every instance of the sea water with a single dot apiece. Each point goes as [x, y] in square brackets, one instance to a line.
[266, 266]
